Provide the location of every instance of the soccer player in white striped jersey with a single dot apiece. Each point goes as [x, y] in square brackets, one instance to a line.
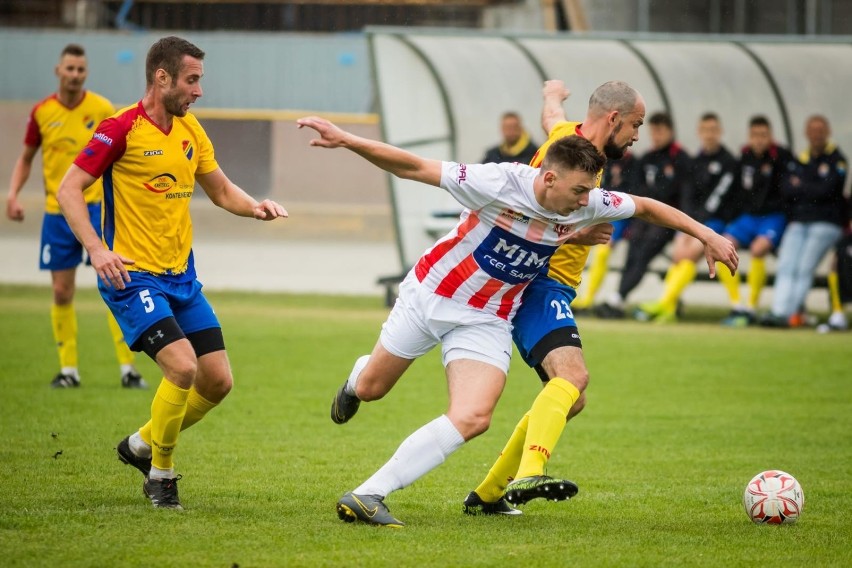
[463, 291]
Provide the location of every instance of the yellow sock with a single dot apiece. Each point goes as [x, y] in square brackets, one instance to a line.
[504, 469]
[756, 280]
[682, 274]
[834, 291]
[64, 320]
[731, 282]
[196, 407]
[597, 273]
[167, 412]
[122, 351]
[547, 420]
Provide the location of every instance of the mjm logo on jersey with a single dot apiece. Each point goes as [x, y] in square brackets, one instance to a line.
[187, 149]
[511, 258]
[161, 183]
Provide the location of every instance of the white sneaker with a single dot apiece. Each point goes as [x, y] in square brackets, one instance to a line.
[837, 321]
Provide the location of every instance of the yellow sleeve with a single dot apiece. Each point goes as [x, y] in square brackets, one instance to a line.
[206, 158]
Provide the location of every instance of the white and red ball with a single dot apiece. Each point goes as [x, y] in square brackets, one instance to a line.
[773, 497]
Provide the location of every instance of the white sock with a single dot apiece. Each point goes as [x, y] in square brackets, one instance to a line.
[70, 371]
[126, 368]
[157, 473]
[138, 446]
[420, 453]
[353, 376]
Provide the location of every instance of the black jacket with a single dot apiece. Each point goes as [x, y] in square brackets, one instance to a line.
[713, 192]
[814, 187]
[494, 155]
[760, 179]
[665, 175]
[620, 175]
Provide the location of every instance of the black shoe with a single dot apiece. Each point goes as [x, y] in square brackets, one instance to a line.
[344, 406]
[526, 489]
[739, 318]
[367, 508]
[163, 493]
[126, 455]
[133, 380]
[771, 320]
[61, 381]
[474, 505]
[607, 311]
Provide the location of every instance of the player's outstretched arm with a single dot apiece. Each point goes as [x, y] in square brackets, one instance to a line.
[591, 236]
[20, 175]
[555, 93]
[230, 197]
[716, 247]
[109, 265]
[394, 160]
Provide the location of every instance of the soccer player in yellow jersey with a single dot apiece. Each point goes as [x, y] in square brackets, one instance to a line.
[150, 155]
[61, 125]
[544, 329]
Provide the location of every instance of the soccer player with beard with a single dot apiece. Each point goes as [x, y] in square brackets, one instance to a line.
[61, 125]
[150, 155]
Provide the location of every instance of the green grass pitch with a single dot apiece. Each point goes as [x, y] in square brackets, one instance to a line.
[679, 419]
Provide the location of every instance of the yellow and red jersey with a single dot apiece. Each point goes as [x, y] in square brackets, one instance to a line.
[567, 263]
[62, 132]
[149, 178]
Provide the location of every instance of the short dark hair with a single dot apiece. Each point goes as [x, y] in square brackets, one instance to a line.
[661, 119]
[74, 49]
[167, 54]
[511, 114]
[710, 116]
[574, 153]
[818, 118]
[759, 120]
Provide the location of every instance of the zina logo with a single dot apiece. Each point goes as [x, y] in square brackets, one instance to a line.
[161, 183]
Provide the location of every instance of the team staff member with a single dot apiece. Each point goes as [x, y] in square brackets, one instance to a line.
[818, 215]
[665, 175]
[516, 145]
[544, 329]
[712, 199]
[61, 125]
[150, 155]
[763, 165]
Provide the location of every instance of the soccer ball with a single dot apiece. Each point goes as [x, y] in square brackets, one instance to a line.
[773, 497]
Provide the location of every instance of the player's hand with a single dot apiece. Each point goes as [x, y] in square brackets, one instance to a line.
[555, 88]
[267, 210]
[14, 210]
[719, 249]
[594, 235]
[331, 135]
[110, 267]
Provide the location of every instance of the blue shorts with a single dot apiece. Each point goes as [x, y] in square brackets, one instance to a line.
[60, 249]
[545, 312]
[716, 224]
[746, 228]
[148, 299]
[618, 229]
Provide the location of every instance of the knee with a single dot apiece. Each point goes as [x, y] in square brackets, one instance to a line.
[579, 378]
[183, 372]
[63, 293]
[472, 423]
[219, 388]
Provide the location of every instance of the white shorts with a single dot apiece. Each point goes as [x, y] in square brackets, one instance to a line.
[421, 319]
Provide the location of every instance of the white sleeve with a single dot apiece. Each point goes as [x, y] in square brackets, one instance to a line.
[473, 185]
[605, 205]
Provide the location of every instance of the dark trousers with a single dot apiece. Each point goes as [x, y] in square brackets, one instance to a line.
[646, 242]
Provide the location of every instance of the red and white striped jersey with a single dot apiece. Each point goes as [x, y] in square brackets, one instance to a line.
[504, 238]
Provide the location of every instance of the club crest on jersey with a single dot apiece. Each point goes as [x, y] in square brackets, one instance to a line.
[187, 149]
[610, 199]
[161, 183]
[89, 122]
[510, 258]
